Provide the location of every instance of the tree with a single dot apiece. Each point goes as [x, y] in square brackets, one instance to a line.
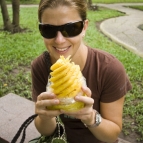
[5, 16]
[9, 26]
[16, 10]
[92, 7]
[89, 3]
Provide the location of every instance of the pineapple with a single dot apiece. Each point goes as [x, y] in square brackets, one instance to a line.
[66, 81]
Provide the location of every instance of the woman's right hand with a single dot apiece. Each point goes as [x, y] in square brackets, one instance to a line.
[44, 100]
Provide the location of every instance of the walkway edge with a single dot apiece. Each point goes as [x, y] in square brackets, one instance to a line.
[118, 41]
[124, 29]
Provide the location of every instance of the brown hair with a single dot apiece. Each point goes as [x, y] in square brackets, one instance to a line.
[79, 5]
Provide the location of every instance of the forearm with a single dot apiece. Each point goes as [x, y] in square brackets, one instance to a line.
[45, 127]
[107, 131]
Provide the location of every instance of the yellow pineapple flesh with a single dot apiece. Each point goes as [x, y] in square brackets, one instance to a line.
[66, 81]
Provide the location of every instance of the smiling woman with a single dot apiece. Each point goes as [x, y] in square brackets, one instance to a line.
[63, 25]
[18, 50]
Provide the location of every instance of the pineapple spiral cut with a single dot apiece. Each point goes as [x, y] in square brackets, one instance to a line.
[66, 81]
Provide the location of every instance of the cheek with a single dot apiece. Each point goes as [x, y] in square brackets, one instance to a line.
[77, 40]
[47, 42]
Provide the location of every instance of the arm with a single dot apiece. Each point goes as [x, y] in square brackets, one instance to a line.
[45, 127]
[111, 124]
[111, 113]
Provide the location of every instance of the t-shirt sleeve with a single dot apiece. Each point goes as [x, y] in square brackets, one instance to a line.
[116, 82]
[39, 78]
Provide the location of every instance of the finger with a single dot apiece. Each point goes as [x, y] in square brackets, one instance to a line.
[84, 111]
[48, 113]
[44, 103]
[85, 99]
[86, 90]
[46, 95]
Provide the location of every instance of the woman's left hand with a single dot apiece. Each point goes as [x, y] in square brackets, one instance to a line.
[86, 114]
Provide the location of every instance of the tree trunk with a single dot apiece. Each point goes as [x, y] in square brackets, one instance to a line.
[15, 9]
[16, 15]
[7, 23]
[92, 7]
[89, 3]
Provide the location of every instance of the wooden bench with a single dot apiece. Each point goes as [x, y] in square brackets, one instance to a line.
[14, 110]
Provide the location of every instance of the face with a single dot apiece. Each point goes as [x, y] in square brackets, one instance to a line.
[60, 45]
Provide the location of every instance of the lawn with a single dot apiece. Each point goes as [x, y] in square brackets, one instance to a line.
[18, 50]
[139, 7]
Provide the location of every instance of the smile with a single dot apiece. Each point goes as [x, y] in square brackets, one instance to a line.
[63, 49]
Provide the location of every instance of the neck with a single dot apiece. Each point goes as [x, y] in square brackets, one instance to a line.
[80, 57]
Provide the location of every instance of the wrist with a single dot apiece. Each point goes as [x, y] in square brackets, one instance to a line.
[46, 119]
[90, 120]
[96, 120]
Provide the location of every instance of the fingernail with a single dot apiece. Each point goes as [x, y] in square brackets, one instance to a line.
[56, 101]
[77, 97]
[84, 87]
[52, 94]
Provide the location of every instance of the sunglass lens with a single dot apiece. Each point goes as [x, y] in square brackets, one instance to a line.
[48, 31]
[72, 29]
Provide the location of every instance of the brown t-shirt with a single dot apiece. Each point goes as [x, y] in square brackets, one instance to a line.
[106, 78]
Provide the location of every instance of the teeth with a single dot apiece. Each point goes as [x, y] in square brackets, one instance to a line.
[61, 50]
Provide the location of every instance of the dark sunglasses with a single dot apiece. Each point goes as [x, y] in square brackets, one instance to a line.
[68, 30]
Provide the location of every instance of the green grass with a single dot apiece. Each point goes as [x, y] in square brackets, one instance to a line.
[18, 50]
[140, 26]
[139, 7]
[117, 1]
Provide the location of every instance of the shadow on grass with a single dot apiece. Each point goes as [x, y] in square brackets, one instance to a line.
[140, 27]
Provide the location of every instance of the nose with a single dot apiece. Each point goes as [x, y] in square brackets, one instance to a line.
[59, 38]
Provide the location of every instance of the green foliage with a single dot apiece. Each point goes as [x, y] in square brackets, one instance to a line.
[140, 26]
[139, 7]
[18, 50]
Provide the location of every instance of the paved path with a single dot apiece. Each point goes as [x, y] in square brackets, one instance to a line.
[14, 110]
[124, 29]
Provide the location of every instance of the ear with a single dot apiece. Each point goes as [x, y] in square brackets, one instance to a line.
[85, 27]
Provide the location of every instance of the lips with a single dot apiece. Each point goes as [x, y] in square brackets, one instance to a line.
[62, 49]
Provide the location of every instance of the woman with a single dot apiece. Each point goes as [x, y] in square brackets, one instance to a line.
[63, 25]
